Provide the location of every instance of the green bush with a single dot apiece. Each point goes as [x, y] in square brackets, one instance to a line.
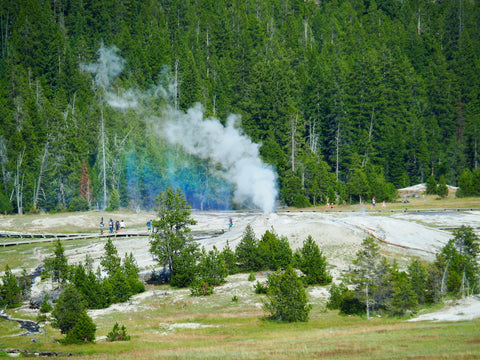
[229, 258]
[83, 331]
[310, 260]
[442, 188]
[68, 308]
[246, 252]
[10, 290]
[301, 201]
[114, 201]
[286, 297]
[200, 288]
[251, 277]
[78, 204]
[337, 294]
[260, 288]
[118, 333]
[5, 204]
[274, 252]
[351, 304]
[45, 306]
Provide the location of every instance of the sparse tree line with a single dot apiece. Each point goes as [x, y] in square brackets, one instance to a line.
[375, 286]
[173, 246]
[80, 288]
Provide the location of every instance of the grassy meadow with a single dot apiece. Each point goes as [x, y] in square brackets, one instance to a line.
[173, 325]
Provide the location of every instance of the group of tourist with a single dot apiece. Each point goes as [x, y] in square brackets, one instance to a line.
[113, 226]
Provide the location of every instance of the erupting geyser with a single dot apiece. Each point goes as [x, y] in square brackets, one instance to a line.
[230, 154]
[253, 181]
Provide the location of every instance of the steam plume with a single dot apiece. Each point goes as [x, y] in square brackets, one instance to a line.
[231, 153]
[107, 68]
[254, 182]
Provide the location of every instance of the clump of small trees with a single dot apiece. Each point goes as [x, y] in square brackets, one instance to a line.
[374, 286]
[202, 270]
[13, 289]
[272, 252]
[83, 288]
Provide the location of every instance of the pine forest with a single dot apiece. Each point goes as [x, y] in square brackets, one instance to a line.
[107, 103]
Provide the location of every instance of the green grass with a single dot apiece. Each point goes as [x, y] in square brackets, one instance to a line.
[429, 202]
[230, 330]
[26, 256]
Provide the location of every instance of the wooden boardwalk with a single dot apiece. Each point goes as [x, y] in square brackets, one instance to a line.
[35, 238]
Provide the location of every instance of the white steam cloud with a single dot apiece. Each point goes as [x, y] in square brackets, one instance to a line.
[107, 68]
[254, 182]
[221, 146]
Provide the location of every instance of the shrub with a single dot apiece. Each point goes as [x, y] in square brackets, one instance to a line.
[301, 201]
[442, 188]
[351, 304]
[229, 258]
[337, 294]
[286, 297]
[310, 260]
[200, 288]
[251, 277]
[68, 308]
[114, 201]
[10, 290]
[211, 267]
[5, 204]
[260, 288]
[45, 306]
[274, 252]
[83, 331]
[246, 252]
[78, 204]
[118, 333]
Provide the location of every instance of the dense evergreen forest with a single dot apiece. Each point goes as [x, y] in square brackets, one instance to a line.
[348, 99]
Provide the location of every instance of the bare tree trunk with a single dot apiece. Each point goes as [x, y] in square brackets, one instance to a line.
[442, 289]
[367, 303]
[175, 87]
[19, 183]
[312, 136]
[103, 160]
[3, 161]
[39, 183]
[293, 131]
[337, 138]
[370, 131]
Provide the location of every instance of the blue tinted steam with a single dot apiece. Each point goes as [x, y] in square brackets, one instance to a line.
[215, 166]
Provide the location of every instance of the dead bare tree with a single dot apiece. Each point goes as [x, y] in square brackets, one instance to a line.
[40, 175]
[3, 161]
[19, 182]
